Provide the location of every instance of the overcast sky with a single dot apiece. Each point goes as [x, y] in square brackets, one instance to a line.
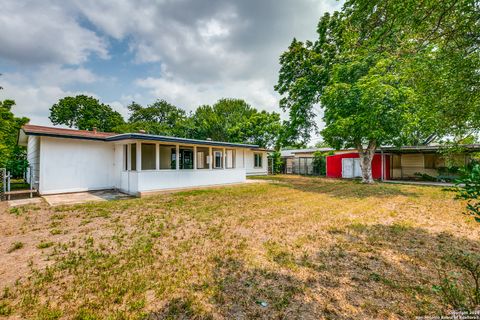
[188, 52]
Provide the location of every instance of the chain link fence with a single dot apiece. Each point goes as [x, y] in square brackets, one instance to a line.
[305, 166]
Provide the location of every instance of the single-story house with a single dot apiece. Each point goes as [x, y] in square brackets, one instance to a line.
[68, 160]
[399, 163]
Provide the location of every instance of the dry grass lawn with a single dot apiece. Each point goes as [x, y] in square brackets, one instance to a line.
[297, 248]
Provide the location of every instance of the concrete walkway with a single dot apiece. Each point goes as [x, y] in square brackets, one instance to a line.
[422, 183]
[24, 202]
[83, 197]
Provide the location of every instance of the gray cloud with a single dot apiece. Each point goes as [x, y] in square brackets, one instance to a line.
[206, 49]
[35, 32]
[209, 40]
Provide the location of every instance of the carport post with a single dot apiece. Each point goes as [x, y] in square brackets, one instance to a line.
[139, 156]
[194, 157]
[224, 159]
[210, 158]
[177, 157]
[157, 156]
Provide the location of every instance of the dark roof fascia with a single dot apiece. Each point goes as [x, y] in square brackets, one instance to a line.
[56, 135]
[135, 136]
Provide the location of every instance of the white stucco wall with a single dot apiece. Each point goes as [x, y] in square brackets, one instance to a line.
[250, 163]
[174, 179]
[33, 158]
[73, 165]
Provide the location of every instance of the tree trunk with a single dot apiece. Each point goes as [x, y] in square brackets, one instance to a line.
[366, 157]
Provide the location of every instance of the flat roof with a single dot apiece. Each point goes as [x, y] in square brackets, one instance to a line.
[35, 130]
[430, 148]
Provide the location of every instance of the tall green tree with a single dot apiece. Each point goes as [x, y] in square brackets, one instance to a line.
[85, 113]
[12, 156]
[160, 118]
[261, 128]
[439, 46]
[385, 73]
[217, 121]
[234, 120]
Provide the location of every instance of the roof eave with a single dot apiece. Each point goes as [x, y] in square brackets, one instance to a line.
[55, 135]
[135, 136]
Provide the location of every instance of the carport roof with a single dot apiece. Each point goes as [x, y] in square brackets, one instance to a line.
[429, 148]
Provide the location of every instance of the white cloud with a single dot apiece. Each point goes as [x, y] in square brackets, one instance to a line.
[57, 75]
[45, 32]
[119, 107]
[36, 93]
[190, 95]
[33, 101]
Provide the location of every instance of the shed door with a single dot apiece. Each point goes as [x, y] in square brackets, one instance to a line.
[357, 171]
[347, 168]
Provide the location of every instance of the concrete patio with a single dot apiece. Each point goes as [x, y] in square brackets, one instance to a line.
[83, 197]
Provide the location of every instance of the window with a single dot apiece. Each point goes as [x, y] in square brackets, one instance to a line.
[133, 156]
[173, 158]
[125, 157]
[217, 159]
[257, 160]
[167, 157]
[230, 158]
[202, 158]
[148, 156]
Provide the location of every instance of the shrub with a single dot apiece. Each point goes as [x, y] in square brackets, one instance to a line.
[468, 188]
[15, 246]
[460, 288]
[319, 163]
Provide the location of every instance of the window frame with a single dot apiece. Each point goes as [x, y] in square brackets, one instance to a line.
[260, 158]
[145, 144]
[125, 157]
[133, 157]
[233, 156]
[215, 152]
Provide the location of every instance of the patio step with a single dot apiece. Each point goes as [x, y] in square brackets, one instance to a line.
[26, 191]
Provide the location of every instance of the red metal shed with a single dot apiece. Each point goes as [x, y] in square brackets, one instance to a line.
[337, 167]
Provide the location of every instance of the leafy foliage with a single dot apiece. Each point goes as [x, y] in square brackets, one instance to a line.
[319, 163]
[385, 73]
[160, 118]
[461, 288]
[85, 113]
[277, 161]
[234, 120]
[468, 188]
[230, 120]
[12, 156]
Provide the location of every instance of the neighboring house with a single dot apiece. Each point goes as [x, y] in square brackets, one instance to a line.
[67, 160]
[408, 162]
[300, 161]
